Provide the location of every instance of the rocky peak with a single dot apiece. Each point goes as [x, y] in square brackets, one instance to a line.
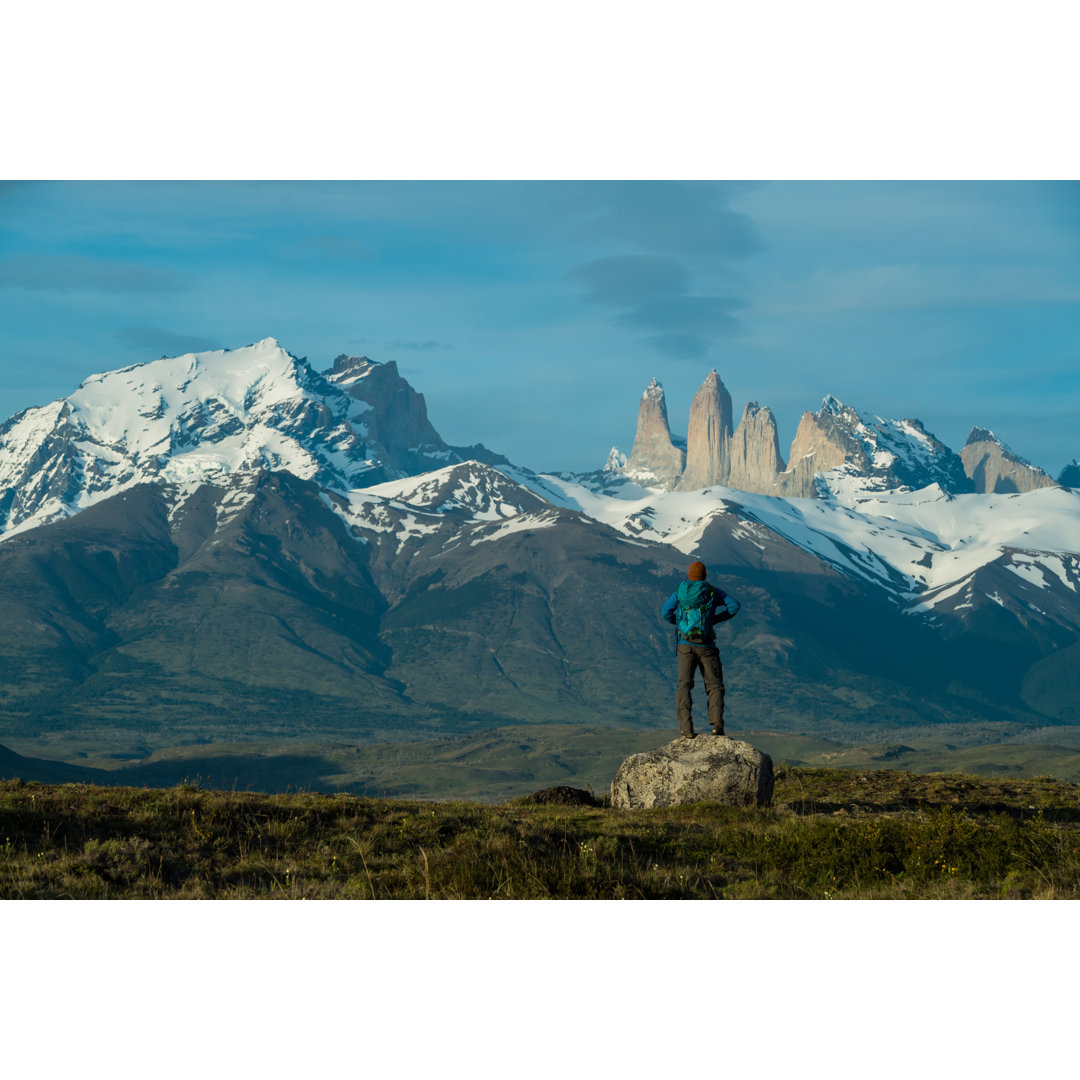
[992, 466]
[820, 444]
[200, 418]
[1070, 475]
[708, 436]
[838, 450]
[842, 447]
[349, 368]
[185, 420]
[616, 460]
[398, 422]
[654, 459]
[754, 451]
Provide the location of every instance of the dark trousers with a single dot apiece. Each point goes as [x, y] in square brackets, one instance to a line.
[707, 658]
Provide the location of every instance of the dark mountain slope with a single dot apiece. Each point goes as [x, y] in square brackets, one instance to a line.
[841, 657]
[48, 772]
[280, 575]
[59, 586]
[253, 610]
[552, 622]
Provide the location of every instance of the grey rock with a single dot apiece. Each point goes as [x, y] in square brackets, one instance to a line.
[992, 466]
[654, 459]
[708, 436]
[399, 435]
[840, 442]
[1070, 475]
[709, 768]
[754, 454]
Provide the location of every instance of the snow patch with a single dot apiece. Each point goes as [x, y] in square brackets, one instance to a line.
[942, 594]
[522, 523]
[1031, 573]
[912, 543]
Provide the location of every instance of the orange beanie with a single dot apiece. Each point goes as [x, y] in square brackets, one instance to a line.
[697, 571]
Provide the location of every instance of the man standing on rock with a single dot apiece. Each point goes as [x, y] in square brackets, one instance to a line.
[695, 607]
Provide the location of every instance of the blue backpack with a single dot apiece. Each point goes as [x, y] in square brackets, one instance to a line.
[694, 611]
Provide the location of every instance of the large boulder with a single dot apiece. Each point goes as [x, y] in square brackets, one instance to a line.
[709, 768]
[561, 796]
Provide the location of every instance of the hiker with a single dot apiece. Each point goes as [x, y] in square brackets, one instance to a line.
[695, 607]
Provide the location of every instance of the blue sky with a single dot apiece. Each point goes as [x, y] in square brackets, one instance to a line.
[531, 315]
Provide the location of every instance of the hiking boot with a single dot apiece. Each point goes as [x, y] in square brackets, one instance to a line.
[687, 738]
[718, 731]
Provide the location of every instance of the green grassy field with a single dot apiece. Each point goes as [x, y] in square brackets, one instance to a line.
[829, 834]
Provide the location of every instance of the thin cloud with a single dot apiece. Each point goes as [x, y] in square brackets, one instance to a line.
[70, 273]
[674, 218]
[679, 346]
[652, 292]
[908, 287]
[702, 316]
[418, 346]
[400, 345]
[684, 233]
[626, 280]
[165, 342]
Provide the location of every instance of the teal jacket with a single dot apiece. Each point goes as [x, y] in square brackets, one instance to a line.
[690, 593]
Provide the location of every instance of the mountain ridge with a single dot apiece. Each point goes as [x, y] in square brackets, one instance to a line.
[202, 417]
[261, 547]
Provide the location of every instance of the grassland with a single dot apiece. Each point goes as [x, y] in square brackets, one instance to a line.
[830, 834]
[500, 763]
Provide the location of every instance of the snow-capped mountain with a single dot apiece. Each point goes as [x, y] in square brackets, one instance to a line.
[893, 505]
[922, 548]
[880, 500]
[239, 517]
[837, 449]
[203, 417]
[850, 452]
[443, 503]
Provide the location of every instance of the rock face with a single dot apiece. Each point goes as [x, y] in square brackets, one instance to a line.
[708, 436]
[837, 451]
[1070, 475]
[705, 769]
[754, 460]
[993, 467]
[655, 460]
[397, 423]
[616, 461]
[871, 453]
[820, 443]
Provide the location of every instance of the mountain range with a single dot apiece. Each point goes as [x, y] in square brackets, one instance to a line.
[836, 450]
[234, 545]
